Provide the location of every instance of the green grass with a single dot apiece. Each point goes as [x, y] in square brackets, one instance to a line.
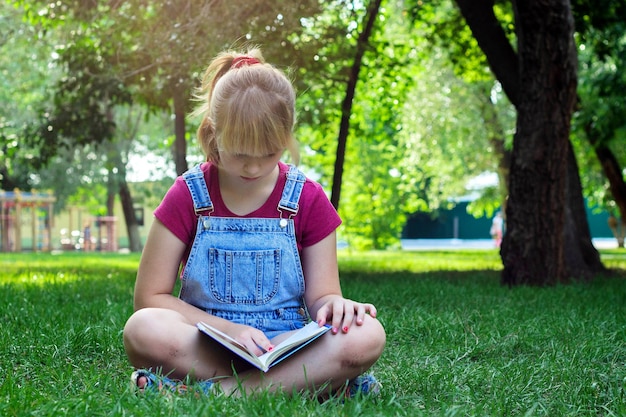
[458, 342]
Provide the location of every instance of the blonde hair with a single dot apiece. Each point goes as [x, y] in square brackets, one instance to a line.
[246, 109]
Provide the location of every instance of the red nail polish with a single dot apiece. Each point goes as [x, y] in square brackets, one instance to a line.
[345, 329]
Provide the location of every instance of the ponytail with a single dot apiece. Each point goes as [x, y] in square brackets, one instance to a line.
[246, 106]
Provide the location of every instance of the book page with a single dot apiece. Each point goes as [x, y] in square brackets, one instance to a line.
[298, 339]
[286, 348]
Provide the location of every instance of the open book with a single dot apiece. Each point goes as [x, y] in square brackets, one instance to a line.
[281, 351]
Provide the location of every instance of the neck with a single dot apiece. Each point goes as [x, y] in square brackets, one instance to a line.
[241, 197]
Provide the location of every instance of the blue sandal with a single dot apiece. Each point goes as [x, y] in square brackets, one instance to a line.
[162, 384]
[362, 385]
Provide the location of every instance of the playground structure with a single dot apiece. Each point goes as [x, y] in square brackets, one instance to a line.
[14, 209]
[29, 217]
[104, 238]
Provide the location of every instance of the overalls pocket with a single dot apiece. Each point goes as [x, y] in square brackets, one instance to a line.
[245, 277]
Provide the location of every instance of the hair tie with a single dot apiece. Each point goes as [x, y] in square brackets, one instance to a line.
[241, 61]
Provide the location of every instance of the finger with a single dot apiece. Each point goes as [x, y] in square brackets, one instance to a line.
[253, 347]
[322, 316]
[338, 314]
[262, 343]
[360, 314]
[348, 315]
[369, 308]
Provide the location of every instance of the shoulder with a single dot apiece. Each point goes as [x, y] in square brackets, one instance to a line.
[310, 186]
[205, 170]
[316, 217]
[176, 209]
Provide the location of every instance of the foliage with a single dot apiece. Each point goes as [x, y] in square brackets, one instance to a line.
[488, 124]
[319, 47]
[81, 112]
[419, 131]
[377, 194]
[322, 81]
[408, 147]
[599, 119]
[441, 24]
[26, 77]
[458, 342]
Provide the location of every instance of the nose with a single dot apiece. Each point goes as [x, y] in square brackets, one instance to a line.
[252, 167]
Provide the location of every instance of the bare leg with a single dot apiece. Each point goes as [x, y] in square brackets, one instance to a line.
[163, 339]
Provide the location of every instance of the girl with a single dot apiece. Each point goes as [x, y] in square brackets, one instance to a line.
[257, 245]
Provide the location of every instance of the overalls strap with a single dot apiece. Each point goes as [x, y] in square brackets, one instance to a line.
[194, 178]
[291, 193]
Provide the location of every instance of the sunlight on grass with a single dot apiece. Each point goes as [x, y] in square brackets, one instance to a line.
[43, 269]
[459, 343]
[420, 261]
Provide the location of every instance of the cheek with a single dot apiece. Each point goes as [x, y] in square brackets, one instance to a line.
[230, 161]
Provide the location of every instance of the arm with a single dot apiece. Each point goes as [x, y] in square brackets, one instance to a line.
[323, 290]
[157, 275]
[158, 272]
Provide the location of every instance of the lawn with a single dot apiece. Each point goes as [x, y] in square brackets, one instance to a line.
[458, 342]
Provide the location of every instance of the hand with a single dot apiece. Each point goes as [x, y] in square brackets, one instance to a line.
[342, 313]
[253, 339]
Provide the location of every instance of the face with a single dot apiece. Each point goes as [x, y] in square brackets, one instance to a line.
[247, 168]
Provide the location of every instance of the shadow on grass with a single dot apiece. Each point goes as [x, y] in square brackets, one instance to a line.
[458, 341]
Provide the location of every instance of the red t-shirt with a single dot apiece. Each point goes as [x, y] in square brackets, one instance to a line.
[316, 217]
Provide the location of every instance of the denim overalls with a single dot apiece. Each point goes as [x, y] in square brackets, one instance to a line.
[247, 270]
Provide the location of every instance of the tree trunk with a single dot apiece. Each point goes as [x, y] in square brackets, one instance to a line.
[179, 149]
[128, 208]
[547, 238]
[613, 173]
[533, 247]
[346, 106]
[111, 193]
[582, 260]
[492, 40]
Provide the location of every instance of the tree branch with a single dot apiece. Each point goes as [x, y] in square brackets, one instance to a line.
[492, 39]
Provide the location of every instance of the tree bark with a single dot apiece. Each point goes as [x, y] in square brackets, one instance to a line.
[613, 173]
[582, 260]
[179, 149]
[128, 208]
[533, 247]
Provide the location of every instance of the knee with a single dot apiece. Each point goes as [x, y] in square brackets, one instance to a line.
[137, 323]
[375, 337]
[147, 333]
[364, 344]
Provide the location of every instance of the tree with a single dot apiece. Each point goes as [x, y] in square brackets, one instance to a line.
[448, 38]
[25, 79]
[405, 150]
[153, 49]
[346, 106]
[545, 217]
[82, 112]
[601, 112]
